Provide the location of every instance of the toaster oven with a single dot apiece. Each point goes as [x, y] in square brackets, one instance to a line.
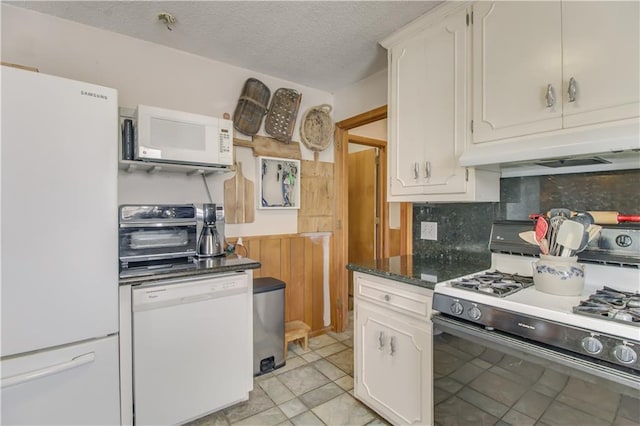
[156, 234]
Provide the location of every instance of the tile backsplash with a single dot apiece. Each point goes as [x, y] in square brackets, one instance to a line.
[465, 227]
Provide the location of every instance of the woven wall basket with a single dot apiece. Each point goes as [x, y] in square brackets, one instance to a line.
[316, 128]
[252, 106]
[281, 118]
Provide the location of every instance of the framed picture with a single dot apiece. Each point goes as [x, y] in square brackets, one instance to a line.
[279, 183]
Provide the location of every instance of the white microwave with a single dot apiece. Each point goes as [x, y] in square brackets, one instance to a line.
[180, 137]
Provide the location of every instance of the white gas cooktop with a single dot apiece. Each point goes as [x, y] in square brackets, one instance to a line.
[530, 301]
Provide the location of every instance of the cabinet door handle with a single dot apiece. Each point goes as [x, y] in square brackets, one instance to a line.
[573, 90]
[380, 341]
[550, 96]
[416, 170]
[427, 169]
[392, 346]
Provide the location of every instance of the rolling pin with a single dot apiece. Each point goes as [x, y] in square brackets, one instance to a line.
[612, 218]
[604, 217]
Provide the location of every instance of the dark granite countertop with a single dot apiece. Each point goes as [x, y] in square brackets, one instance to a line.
[423, 271]
[214, 265]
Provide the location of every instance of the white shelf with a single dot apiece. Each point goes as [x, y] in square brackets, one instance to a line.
[155, 167]
[152, 167]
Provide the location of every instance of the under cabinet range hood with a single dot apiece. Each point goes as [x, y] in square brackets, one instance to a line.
[607, 147]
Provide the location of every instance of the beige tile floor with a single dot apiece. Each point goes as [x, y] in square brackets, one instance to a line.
[473, 385]
[315, 387]
[476, 385]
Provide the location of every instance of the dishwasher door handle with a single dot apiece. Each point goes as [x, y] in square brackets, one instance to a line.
[48, 371]
[197, 298]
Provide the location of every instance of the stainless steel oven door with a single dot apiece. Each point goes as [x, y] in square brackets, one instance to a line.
[483, 376]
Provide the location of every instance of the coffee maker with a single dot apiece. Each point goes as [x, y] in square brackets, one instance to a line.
[211, 242]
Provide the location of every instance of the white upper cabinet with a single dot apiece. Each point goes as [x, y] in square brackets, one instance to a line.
[601, 61]
[542, 66]
[517, 74]
[428, 121]
[428, 113]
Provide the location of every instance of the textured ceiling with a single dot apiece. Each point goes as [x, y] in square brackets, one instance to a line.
[322, 44]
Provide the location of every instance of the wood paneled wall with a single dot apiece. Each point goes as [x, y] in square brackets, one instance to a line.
[316, 197]
[299, 262]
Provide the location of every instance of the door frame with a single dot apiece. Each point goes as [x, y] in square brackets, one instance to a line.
[339, 292]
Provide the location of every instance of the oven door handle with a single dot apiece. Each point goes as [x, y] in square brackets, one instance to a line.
[531, 351]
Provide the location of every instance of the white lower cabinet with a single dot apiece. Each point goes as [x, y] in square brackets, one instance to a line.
[393, 349]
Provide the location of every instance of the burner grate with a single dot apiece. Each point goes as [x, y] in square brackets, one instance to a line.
[495, 283]
[612, 305]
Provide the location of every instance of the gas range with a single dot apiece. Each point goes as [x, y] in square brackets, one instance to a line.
[612, 304]
[494, 282]
[503, 300]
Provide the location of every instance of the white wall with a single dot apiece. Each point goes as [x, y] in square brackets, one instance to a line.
[375, 130]
[146, 73]
[363, 96]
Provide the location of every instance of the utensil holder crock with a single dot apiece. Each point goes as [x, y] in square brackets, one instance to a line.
[560, 275]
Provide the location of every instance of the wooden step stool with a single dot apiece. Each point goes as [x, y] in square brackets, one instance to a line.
[296, 331]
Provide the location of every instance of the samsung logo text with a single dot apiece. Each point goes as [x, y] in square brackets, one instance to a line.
[93, 94]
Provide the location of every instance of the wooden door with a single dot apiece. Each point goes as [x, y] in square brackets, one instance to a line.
[363, 210]
[517, 53]
[362, 205]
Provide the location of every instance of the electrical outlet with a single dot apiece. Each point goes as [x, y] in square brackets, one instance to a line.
[429, 231]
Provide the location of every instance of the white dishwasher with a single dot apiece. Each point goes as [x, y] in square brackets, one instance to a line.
[192, 347]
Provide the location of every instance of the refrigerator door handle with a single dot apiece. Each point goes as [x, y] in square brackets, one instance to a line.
[48, 371]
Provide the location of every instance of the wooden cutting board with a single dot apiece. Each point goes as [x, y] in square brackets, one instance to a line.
[239, 198]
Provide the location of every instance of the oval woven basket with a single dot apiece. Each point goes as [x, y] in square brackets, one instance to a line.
[252, 106]
[316, 128]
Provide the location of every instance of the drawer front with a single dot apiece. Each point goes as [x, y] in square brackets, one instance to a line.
[390, 294]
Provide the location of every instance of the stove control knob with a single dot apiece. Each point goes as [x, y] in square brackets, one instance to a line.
[592, 345]
[456, 308]
[474, 313]
[625, 354]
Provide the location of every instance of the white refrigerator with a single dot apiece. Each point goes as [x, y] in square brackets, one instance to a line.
[59, 251]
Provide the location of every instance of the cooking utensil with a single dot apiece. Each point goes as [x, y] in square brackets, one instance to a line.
[583, 243]
[586, 220]
[600, 217]
[569, 237]
[239, 198]
[594, 231]
[612, 218]
[544, 246]
[583, 217]
[559, 212]
[542, 227]
[529, 236]
[554, 225]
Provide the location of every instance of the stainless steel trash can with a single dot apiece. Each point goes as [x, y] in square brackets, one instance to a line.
[268, 325]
